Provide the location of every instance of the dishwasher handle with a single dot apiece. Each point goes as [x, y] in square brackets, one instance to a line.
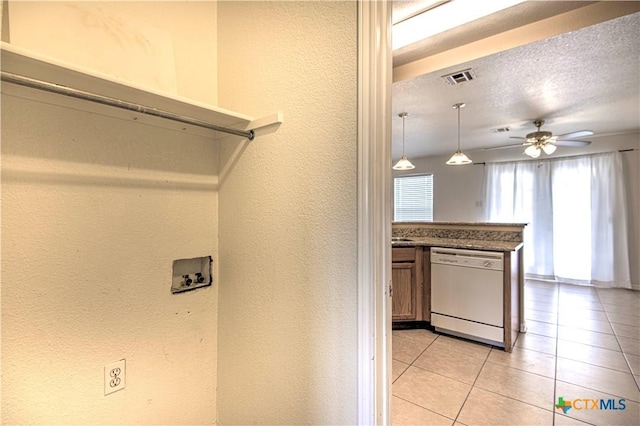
[468, 258]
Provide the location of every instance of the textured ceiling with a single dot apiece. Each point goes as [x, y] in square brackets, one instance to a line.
[584, 79]
[513, 17]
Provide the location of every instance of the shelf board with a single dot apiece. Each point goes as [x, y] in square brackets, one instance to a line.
[28, 64]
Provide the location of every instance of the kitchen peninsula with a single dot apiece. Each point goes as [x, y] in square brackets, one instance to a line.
[462, 278]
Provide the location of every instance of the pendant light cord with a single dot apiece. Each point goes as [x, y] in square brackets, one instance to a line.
[403, 117]
[458, 127]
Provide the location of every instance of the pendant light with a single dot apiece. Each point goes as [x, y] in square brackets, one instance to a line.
[458, 158]
[403, 163]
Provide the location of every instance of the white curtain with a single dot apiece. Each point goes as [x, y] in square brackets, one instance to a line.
[576, 214]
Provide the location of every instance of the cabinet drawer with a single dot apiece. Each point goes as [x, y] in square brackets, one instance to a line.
[403, 254]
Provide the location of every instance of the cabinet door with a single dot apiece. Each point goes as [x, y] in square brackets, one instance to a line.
[403, 276]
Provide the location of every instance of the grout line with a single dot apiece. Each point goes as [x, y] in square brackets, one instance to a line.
[615, 394]
[555, 359]
[473, 385]
[424, 408]
[626, 360]
[558, 292]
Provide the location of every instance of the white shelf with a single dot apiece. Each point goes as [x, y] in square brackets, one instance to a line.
[28, 64]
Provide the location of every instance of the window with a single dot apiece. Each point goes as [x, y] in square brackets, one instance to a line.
[413, 198]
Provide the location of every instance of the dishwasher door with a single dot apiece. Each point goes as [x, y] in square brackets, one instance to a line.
[468, 285]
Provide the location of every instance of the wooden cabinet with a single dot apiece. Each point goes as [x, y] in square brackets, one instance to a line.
[405, 298]
[407, 276]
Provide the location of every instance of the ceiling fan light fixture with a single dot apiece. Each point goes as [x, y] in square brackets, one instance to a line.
[403, 163]
[539, 136]
[533, 151]
[458, 158]
[549, 148]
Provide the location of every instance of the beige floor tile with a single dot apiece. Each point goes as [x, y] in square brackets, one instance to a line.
[549, 291]
[538, 305]
[594, 327]
[526, 360]
[573, 297]
[452, 364]
[624, 319]
[421, 336]
[532, 283]
[629, 345]
[597, 378]
[626, 331]
[537, 343]
[541, 316]
[560, 420]
[634, 362]
[593, 338]
[592, 355]
[618, 309]
[621, 299]
[487, 408]
[586, 324]
[542, 328]
[466, 347]
[584, 314]
[546, 296]
[432, 391]
[567, 303]
[406, 413]
[397, 367]
[517, 384]
[575, 288]
[628, 416]
[406, 350]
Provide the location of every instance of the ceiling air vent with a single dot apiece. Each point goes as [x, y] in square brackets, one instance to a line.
[500, 130]
[459, 77]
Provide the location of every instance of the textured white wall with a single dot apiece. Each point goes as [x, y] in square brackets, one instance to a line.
[288, 226]
[94, 211]
[165, 45]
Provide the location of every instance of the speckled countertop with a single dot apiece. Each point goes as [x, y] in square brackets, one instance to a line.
[459, 243]
[431, 224]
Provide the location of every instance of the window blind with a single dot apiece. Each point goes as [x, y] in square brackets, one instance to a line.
[413, 198]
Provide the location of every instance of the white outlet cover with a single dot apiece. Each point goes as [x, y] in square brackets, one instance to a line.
[114, 376]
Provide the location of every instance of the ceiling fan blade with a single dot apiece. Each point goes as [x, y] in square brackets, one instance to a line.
[516, 137]
[505, 146]
[572, 143]
[578, 134]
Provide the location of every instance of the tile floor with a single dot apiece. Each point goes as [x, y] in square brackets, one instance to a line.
[582, 343]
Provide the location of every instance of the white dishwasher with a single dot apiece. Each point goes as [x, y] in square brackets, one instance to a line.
[467, 294]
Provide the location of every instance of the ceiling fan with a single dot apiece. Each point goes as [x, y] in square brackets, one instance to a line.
[539, 141]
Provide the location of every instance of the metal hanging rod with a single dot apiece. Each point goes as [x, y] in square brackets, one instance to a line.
[105, 100]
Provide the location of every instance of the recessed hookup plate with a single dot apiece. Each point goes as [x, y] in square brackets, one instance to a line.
[190, 274]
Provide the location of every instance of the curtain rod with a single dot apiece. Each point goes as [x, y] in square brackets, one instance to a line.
[620, 150]
[105, 100]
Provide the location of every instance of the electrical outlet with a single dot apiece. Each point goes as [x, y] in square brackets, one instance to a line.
[114, 376]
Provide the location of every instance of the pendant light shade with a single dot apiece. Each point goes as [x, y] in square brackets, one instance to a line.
[403, 163]
[458, 158]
